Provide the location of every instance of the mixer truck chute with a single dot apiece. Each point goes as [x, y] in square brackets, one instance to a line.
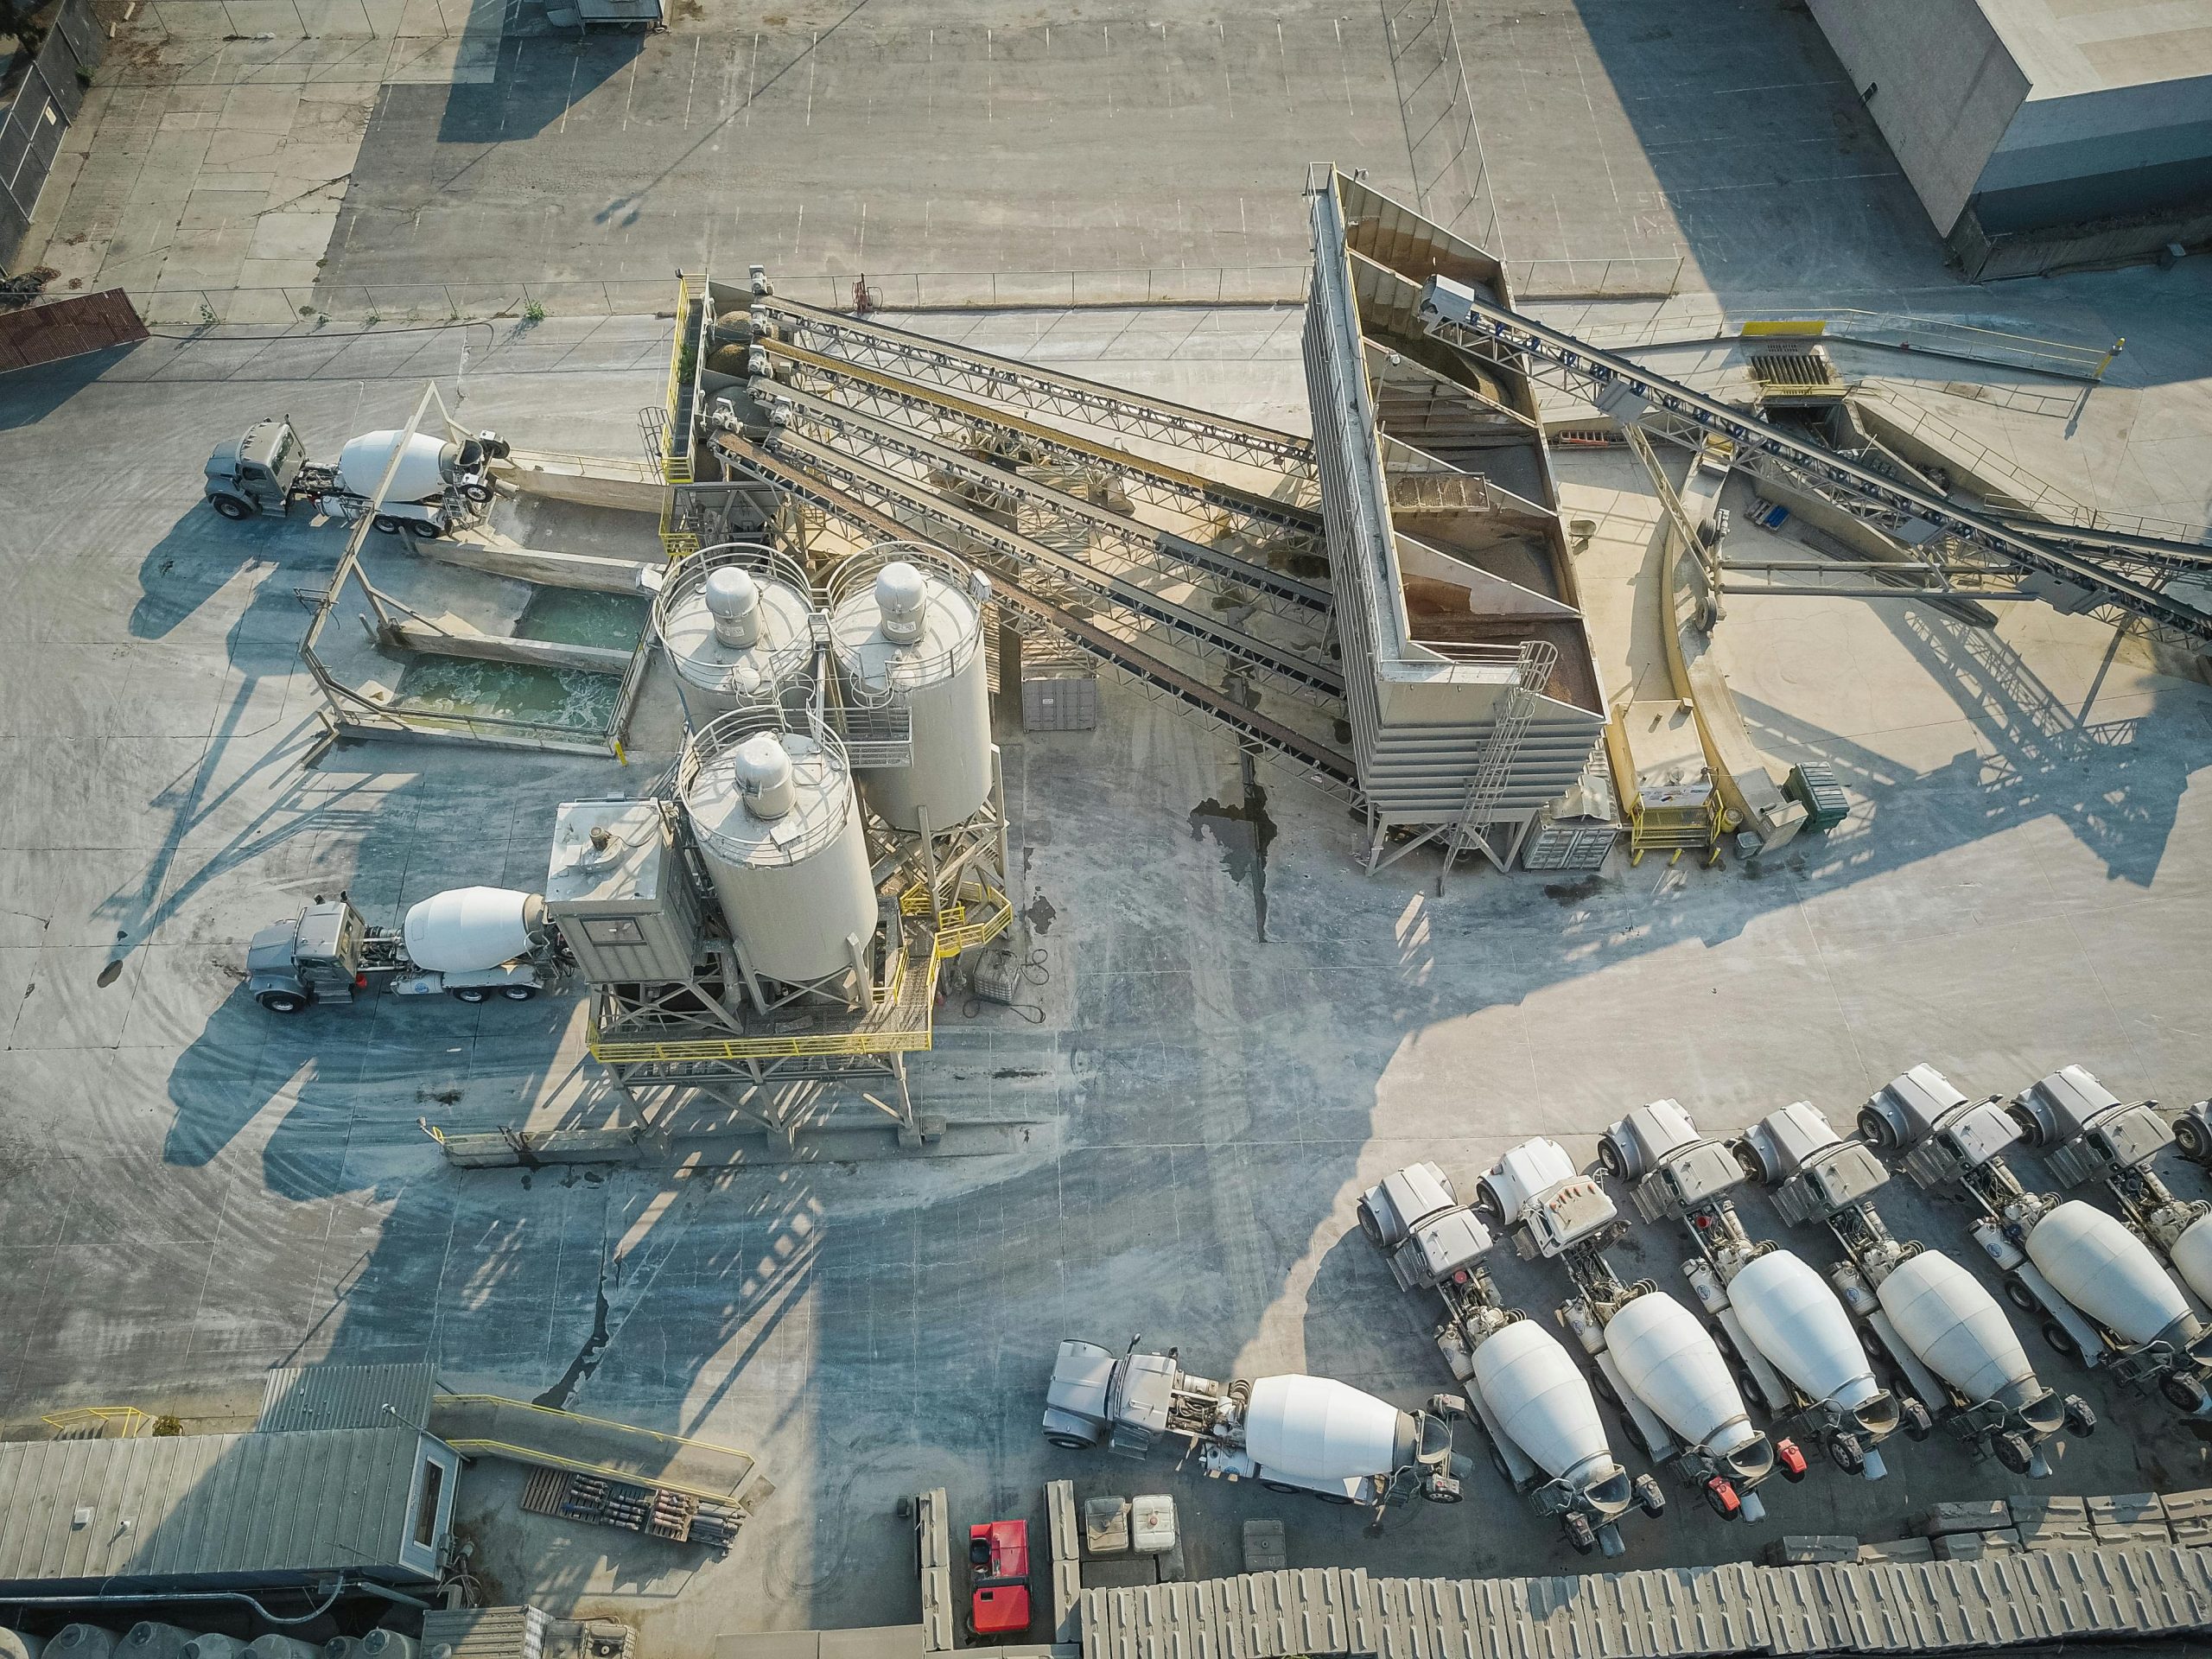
[1677, 1398]
[1942, 1330]
[2085, 1132]
[2102, 1295]
[1535, 1405]
[1290, 1433]
[1795, 1344]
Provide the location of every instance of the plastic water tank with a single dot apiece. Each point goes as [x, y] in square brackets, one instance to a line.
[214, 1645]
[465, 929]
[21, 1644]
[907, 622]
[280, 1647]
[387, 1644]
[778, 824]
[82, 1642]
[422, 468]
[734, 622]
[150, 1639]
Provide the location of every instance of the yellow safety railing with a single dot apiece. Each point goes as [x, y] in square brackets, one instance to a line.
[109, 1422]
[676, 441]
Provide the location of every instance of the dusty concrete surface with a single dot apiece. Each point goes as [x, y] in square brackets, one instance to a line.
[409, 157]
[1239, 1031]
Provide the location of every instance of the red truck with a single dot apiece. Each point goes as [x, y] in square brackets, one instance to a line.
[998, 1572]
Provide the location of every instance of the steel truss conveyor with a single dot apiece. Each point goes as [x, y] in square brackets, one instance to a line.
[1325, 768]
[952, 418]
[855, 429]
[1028, 385]
[1625, 390]
[999, 545]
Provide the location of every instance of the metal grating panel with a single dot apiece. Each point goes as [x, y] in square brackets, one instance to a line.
[483, 1633]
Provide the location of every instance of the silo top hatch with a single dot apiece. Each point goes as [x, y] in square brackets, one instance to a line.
[902, 617]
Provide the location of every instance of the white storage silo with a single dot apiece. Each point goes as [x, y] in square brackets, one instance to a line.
[907, 626]
[735, 622]
[777, 825]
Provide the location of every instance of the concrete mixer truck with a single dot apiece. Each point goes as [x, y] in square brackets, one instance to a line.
[1941, 1327]
[1290, 1433]
[439, 485]
[473, 943]
[2086, 1132]
[2102, 1296]
[1658, 1364]
[1800, 1356]
[1535, 1405]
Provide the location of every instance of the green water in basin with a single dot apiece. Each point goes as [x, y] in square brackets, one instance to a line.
[614, 621]
[567, 698]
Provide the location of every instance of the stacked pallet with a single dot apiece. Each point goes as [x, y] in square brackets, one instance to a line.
[654, 1510]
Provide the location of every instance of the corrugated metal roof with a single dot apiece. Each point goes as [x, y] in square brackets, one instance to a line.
[195, 1505]
[344, 1396]
[483, 1633]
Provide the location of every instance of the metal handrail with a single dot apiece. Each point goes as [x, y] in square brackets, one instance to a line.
[722, 734]
[910, 668]
[689, 573]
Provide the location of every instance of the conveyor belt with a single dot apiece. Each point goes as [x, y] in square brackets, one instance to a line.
[1147, 540]
[1630, 391]
[868, 481]
[920, 398]
[882, 346]
[1289, 745]
[2152, 552]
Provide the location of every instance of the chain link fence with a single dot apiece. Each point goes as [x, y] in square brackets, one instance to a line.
[40, 108]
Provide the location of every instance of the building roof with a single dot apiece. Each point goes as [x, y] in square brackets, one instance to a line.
[345, 1396]
[242, 1508]
[2066, 48]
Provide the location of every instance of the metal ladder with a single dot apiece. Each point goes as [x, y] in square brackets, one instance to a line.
[1494, 764]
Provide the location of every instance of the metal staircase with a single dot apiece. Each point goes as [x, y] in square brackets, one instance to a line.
[1494, 764]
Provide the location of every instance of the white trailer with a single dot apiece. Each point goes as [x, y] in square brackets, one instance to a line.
[1788, 1332]
[2102, 1296]
[1943, 1331]
[1290, 1433]
[1656, 1361]
[1537, 1412]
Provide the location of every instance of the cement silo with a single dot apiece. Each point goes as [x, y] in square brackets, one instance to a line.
[777, 825]
[735, 622]
[906, 623]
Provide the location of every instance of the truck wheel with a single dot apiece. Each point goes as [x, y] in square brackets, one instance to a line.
[1916, 1422]
[2182, 1393]
[2013, 1452]
[1337, 1499]
[479, 493]
[517, 993]
[2189, 1138]
[2018, 1293]
[1497, 1460]
[2062, 1340]
[469, 994]
[2079, 1418]
[282, 1001]
[229, 506]
[385, 524]
[1284, 1487]
[1609, 1155]
[1486, 1199]
[1068, 1442]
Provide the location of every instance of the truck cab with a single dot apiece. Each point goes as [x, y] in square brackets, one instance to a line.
[254, 474]
[315, 957]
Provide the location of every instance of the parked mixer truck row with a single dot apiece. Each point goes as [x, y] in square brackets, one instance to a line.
[1894, 1339]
